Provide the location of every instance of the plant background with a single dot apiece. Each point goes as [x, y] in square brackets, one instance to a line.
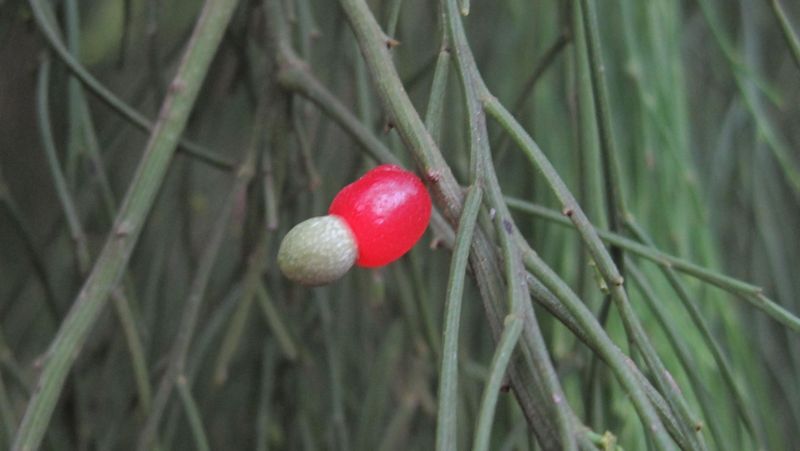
[704, 102]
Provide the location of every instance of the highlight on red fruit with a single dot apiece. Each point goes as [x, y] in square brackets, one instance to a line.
[388, 210]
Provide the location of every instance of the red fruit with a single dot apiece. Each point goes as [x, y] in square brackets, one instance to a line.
[388, 210]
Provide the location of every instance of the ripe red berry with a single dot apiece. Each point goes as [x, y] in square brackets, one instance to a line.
[387, 209]
[377, 218]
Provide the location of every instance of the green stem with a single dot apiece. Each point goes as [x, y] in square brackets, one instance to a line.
[197, 294]
[297, 78]
[62, 189]
[749, 85]
[433, 114]
[547, 387]
[250, 281]
[266, 386]
[705, 331]
[129, 222]
[121, 304]
[193, 414]
[789, 35]
[698, 384]
[614, 197]
[546, 61]
[605, 264]
[334, 364]
[394, 7]
[609, 352]
[277, 324]
[445, 189]
[403, 115]
[500, 361]
[74, 118]
[22, 227]
[43, 19]
[447, 416]
[604, 347]
[748, 292]
[615, 200]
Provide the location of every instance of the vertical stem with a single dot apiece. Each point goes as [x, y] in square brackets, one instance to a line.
[128, 224]
[789, 35]
[193, 414]
[191, 308]
[61, 185]
[500, 361]
[615, 202]
[447, 417]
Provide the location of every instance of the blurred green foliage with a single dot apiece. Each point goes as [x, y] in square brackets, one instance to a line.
[704, 102]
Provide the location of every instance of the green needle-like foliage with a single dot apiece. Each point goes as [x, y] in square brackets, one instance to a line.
[610, 262]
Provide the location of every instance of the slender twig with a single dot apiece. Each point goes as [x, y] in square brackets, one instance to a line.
[314, 179]
[394, 7]
[376, 399]
[276, 322]
[447, 412]
[572, 210]
[263, 417]
[545, 62]
[193, 414]
[751, 293]
[723, 365]
[191, 308]
[748, 84]
[250, 282]
[446, 191]
[413, 79]
[61, 185]
[50, 32]
[689, 364]
[448, 383]
[500, 361]
[128, 224]
[122, 308]
[614, 197]
[133, 341]
[122, 298]
[9, 363]
[556, 307]
[74, 119]
[154, 65]
[615, 200]
[416, 137]
[433, 114]
[621, 365]
[550, 394]
[297, 78]
[334, 364]
[404, 116]
[792, 41]
[23, 229]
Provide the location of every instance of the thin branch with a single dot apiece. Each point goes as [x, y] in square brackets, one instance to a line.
[792, 41]
[751, 293]
[191, 309]
[51, 35]
[129, 222]
[447, 417]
